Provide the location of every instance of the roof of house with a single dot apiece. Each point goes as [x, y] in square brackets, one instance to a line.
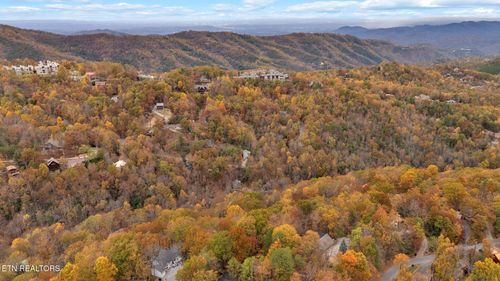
[120, 163]
[77, 160]
[53, 160]
[166, 256]
[11, 168]
[325, 242]
[496, 256]
[53, 142]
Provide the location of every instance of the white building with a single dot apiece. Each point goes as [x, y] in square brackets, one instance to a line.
[265, 74]
[42, 68]
[120, 164]
[246, 154]
[46, 68]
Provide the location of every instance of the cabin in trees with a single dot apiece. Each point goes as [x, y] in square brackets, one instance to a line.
[264, 74]
[159, 106]
[12, 171]
[325, 242]
[95, 80]
[246, 154]
[53, 164]
[202, 84]
[166, 264]
[496, 256]
[331, 247]
[52, 145]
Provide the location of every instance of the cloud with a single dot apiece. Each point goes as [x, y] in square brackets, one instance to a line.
[22, 9]
[97, 7]
[224, 7]
[245, 6]
[321, 6]
[257, 3]
[409, 4]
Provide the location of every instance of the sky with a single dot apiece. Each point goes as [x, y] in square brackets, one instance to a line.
[234, 11]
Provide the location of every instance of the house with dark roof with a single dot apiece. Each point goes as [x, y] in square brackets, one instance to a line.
[165, 266]
[53, 164]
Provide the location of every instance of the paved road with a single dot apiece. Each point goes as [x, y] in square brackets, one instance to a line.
[425, 261]
[423, 247]
[393, 271]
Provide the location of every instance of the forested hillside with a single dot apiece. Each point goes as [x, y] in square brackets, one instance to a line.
[247, 176]
[298, 51]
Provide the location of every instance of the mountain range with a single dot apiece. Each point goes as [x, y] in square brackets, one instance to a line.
[459, 39]
[297, 51]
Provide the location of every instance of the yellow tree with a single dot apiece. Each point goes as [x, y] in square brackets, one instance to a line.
[355, 266]
[287, 235]
[69, 272]
[105, 269]
[446, 259]
[485, 270]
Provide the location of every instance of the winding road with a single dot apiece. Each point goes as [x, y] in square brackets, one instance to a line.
[426, 261]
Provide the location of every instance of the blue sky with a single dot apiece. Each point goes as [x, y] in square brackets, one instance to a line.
[209, 11]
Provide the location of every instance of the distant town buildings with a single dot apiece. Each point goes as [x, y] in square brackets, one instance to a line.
[264, 74]
[43, 68]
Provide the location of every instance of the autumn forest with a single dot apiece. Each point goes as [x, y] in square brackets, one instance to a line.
[384, 172]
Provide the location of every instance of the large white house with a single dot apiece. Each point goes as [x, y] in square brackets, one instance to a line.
[42, 68]
[265, 74]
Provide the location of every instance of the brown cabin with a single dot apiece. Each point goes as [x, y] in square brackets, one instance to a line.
[12, 171]
[53, 164]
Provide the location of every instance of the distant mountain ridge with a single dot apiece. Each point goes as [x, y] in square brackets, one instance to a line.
[298, 51]
[471, 38]
[100, 31]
